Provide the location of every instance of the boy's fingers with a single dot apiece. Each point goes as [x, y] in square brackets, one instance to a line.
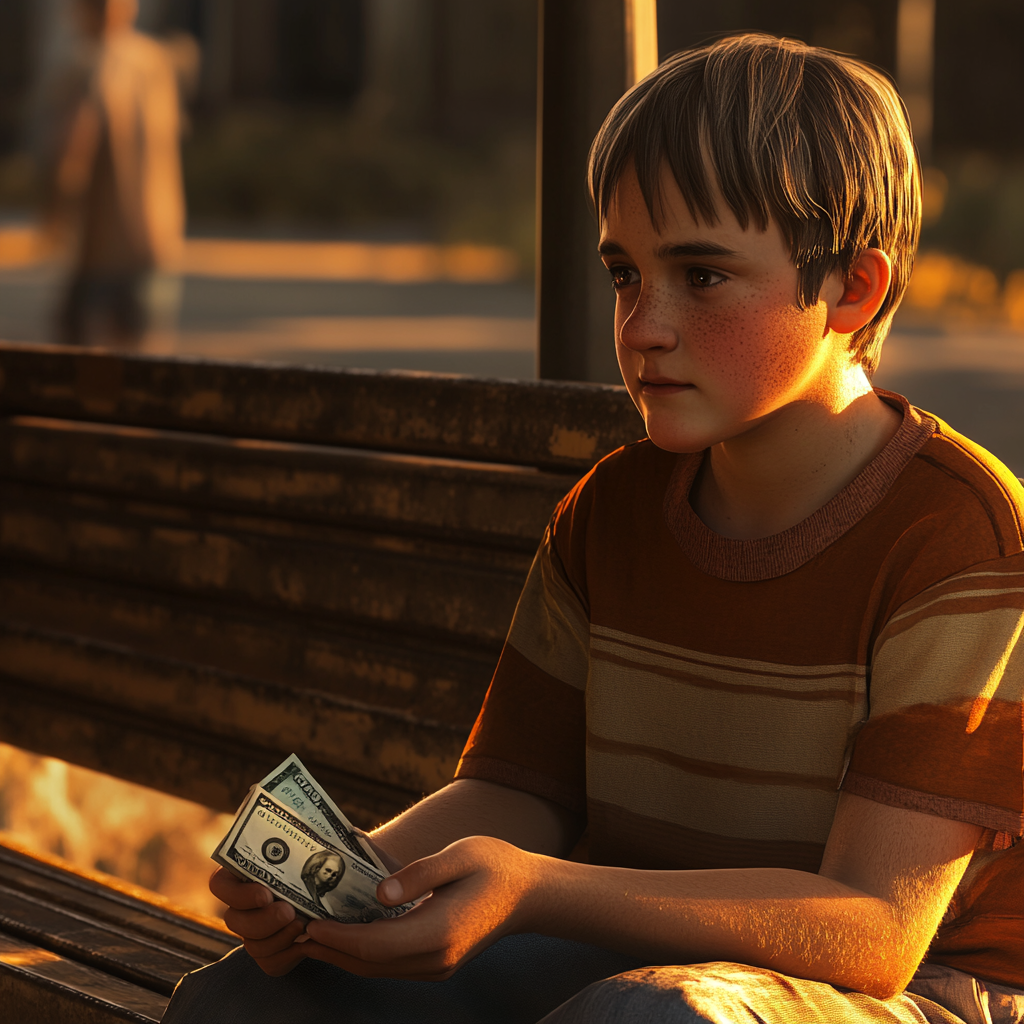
[423, 876]
[278, 942]
[382, 942]
[419, 967]
[456, 861]
[277, 964]
[230, 889]
[261, 923]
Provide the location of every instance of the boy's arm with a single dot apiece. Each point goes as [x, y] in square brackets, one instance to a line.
[863, 922]
[471, 807]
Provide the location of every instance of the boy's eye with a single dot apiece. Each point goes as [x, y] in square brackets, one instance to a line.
[622, 276]
[701, 277]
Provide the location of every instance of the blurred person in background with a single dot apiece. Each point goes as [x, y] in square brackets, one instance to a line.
[109, 127]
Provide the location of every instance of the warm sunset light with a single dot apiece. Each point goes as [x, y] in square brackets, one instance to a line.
[641, 39]
[347, 261]
[98, 823]
[404, 263]
[22, 246]
[510, 511]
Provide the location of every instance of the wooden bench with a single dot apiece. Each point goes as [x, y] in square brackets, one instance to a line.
[205, 566]
[76, 949]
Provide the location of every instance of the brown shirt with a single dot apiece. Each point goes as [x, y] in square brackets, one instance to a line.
[704, 700]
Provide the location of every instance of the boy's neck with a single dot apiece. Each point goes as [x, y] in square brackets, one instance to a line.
[784, 469]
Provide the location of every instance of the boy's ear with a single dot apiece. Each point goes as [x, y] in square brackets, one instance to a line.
[863, 291]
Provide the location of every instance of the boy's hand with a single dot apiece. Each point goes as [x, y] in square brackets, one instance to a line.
[479, 888]
[273, 932]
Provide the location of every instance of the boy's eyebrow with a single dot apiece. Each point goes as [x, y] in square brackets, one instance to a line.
[671, 250]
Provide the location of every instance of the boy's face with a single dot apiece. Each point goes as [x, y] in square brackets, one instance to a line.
[709, 336]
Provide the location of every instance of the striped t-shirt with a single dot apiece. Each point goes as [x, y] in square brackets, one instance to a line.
[703, 700]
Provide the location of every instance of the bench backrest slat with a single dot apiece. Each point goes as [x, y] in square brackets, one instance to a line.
[420, 677]
[537, 423]
[376, 491]
[412, 753]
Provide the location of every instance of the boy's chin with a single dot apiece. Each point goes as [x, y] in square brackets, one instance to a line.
[679, 434]
[680, 442]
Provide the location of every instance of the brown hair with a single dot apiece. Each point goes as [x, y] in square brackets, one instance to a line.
[813, 140]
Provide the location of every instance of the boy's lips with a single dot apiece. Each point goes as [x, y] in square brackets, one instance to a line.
[663, 386]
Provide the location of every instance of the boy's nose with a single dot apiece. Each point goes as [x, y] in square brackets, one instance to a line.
[648, 326]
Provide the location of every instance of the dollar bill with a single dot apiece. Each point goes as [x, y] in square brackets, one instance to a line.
[271, 843]
[294, 786]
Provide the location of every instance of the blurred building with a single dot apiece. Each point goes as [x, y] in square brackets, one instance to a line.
[393, 117]
[441, 65]
[456, 65]
[16, 69]
[866, 28]
[978, 65]
[979, 76]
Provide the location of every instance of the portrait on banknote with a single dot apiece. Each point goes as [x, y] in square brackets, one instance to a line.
[322, 873]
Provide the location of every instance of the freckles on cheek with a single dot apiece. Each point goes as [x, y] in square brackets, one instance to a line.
[729, 341]
[754, 344]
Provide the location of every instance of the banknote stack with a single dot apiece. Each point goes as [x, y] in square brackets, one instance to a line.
[291, 836]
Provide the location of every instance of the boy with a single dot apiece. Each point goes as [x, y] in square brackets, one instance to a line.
[769, 657]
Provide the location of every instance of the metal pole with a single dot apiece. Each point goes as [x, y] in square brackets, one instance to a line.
[581, 73]
[591, 51]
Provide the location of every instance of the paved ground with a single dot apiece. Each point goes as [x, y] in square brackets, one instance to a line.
[972, 378]
[444, 327]
[987, 407]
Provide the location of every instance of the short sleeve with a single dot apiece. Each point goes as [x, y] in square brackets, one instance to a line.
[945, 731]
[531, 731]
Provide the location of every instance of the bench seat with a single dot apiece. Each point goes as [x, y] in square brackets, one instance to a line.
[76, 946]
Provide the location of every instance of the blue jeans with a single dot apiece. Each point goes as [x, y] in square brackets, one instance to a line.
[516, 981]
[524, 979]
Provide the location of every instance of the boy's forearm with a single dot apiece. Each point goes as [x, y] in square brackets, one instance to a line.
[863, 923]
[793, 922]
[469, 807]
